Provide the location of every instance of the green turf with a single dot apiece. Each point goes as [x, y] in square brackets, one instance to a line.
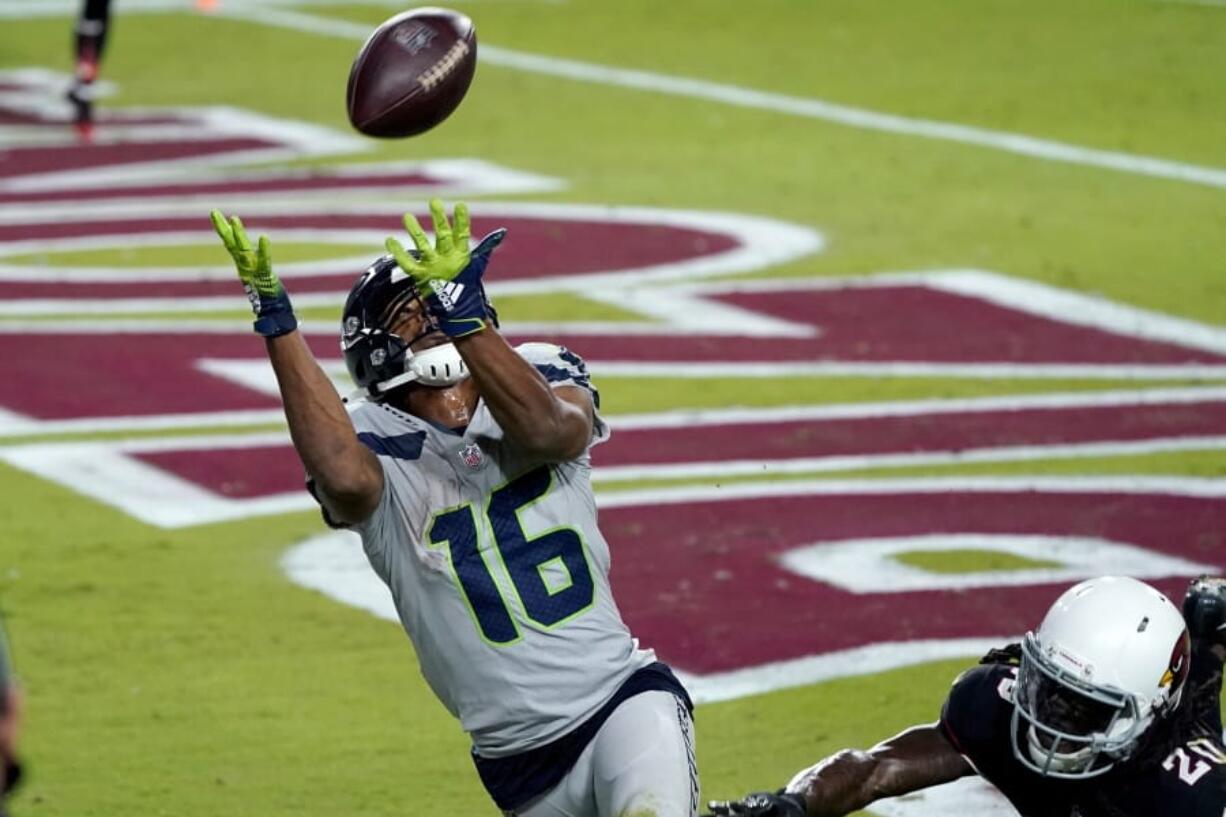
[968, 561]
[178, 672]
[807, 723]
[1189, 463]
[887, 201]
[185, 255]
[232, 691]
[95, 435]
[227, 689]
[623, 395]
[903, 202]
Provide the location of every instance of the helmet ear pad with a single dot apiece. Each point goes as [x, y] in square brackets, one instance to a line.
[374, 356]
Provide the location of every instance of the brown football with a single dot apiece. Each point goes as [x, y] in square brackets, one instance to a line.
[412, 72]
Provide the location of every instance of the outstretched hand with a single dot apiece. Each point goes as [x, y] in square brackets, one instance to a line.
[448, 274]
[269, 301]
[431, 267]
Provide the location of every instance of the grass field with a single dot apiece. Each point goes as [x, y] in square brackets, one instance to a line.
[177, 671]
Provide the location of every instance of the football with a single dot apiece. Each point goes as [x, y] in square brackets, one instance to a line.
[412, 72]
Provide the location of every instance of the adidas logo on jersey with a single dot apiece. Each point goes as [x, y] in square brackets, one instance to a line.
[448, 293]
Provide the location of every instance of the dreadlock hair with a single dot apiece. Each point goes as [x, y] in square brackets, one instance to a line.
[1197, 716]
[1008, 655]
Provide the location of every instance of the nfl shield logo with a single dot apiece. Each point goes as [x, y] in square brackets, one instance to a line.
[472, 456]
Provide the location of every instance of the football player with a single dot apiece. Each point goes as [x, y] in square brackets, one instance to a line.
[466, 471]
[1108, 709]
[89, 39]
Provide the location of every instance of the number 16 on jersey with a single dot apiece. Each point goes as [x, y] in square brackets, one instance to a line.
[533, 564]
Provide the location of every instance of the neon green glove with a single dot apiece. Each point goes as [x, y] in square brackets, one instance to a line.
[274, 315]
[448, 275]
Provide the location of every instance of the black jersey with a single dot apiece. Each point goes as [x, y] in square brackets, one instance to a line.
[1190, 782]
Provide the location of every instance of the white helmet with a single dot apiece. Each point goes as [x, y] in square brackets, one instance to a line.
[1111, 656]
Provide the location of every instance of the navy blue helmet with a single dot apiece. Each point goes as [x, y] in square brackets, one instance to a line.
[380, 360]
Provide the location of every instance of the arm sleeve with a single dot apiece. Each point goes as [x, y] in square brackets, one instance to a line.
[967, 715]
[562, 367]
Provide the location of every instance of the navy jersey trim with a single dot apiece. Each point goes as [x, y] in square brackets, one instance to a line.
[401, 447]
[515, 780]
[948, 732]
[556, 374]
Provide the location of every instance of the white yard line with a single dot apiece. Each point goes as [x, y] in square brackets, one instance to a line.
[814, 669]
[976, 371]
[70, 8]
[277, 14]
[1217, 4]
[1016, 143]
[288, 140]
[1078, 308]
[449, 178]
[108, 472]
[1207, 488]
[867, 564]
[14, 425]
[930, 459]
[688, 418]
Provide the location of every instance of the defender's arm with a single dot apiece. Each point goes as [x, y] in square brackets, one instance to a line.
[916, 759]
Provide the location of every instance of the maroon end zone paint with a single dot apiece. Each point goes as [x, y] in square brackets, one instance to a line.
[924, 326]
[286, 182]
[28, 161]
[700, 581]
[226, 471]
[237, 473]
[108, 381]
[535, 248]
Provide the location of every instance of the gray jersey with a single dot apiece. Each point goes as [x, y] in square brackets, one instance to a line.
[498, 571]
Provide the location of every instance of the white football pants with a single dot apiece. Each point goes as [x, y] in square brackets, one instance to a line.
[640, 764]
